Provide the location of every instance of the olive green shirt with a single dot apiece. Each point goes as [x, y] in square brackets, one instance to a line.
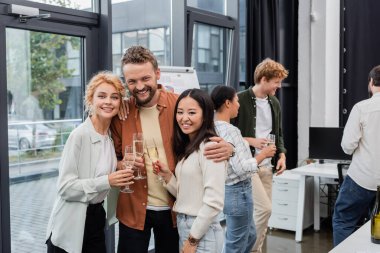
[246, 119]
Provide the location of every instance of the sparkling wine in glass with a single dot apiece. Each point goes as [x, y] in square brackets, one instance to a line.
[128, 161]
[271, 141]
[152, 152]
[138, 148]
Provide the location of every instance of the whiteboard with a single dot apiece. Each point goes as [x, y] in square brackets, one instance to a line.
[178, 79]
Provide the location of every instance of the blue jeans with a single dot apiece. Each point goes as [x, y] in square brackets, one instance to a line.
[352, 204]
[211, 242]
[238, 210]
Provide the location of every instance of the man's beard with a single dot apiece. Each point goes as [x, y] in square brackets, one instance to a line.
[140, 102]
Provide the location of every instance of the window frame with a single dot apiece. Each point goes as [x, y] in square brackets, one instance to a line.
[194, 15]
[95, 31]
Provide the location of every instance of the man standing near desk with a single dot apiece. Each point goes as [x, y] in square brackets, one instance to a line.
[260, 115]
[361, 139]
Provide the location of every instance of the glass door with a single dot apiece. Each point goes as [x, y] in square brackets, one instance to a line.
[44, 66]
[44, 104]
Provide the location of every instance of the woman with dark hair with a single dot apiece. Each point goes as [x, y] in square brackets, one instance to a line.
[198, 183]
[238, 208]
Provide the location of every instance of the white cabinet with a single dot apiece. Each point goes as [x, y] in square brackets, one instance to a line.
[285, 200]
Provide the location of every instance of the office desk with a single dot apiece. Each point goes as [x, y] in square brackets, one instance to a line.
[358, 242]
[318, 171]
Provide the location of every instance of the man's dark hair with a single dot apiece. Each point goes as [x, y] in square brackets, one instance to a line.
[220, 94]
[375, 75]
[138, 55]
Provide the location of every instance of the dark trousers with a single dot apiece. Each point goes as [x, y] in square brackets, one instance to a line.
[51, 248]
[165, 236]
[94, 238]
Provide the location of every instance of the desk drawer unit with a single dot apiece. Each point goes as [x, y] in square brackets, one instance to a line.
[281, 221]
[285, 202]
[285, 207]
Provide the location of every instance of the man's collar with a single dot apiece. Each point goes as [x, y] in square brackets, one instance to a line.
[162, 99]
[254, 96]
[251, 92]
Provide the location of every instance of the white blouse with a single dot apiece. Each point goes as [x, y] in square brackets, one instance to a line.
[107, 164]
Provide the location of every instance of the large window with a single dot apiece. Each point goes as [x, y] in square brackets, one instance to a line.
[212, 44]
[44, 94]
[150, 27]
[44, 66]
[217, 6]
[156, 39]
[209, 54]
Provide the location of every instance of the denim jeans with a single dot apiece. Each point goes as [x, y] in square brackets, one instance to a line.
[352, 203]
[238, 210]
[211, 242]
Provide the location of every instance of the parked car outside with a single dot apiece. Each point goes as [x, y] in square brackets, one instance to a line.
[30, 135]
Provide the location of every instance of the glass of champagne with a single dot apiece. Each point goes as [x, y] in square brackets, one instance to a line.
[152, 153]
[128, 161]
[271, 141]
[138, 149]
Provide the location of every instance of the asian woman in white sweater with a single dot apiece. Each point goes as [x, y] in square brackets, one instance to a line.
[198, 183]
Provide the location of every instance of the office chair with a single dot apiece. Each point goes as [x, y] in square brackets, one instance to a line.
[342, 172]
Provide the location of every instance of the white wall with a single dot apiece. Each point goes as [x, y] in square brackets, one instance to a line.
[318, 68]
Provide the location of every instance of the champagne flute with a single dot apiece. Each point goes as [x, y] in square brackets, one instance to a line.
[271, 141]
[128, 161]
[138, 149]
[152, 153]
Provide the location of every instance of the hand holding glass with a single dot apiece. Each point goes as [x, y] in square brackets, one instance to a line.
[128, 161]
[162, 170]
[152, 153]
[271, 141]
[138, 149]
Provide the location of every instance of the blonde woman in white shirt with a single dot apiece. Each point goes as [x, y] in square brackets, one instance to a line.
[87, 173]
[198, 183]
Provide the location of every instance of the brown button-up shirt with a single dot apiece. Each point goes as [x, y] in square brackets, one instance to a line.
[131, 208]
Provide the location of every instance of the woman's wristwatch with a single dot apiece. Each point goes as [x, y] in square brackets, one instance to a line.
[193, 241]
[233, 150]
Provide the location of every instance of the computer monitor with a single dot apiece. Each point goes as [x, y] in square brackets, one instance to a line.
[324, 143]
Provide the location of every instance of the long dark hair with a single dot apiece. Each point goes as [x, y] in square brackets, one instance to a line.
[220, 94]
[181, 143]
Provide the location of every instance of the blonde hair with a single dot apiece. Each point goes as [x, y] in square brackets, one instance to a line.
[98, 79]
[269, 69]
